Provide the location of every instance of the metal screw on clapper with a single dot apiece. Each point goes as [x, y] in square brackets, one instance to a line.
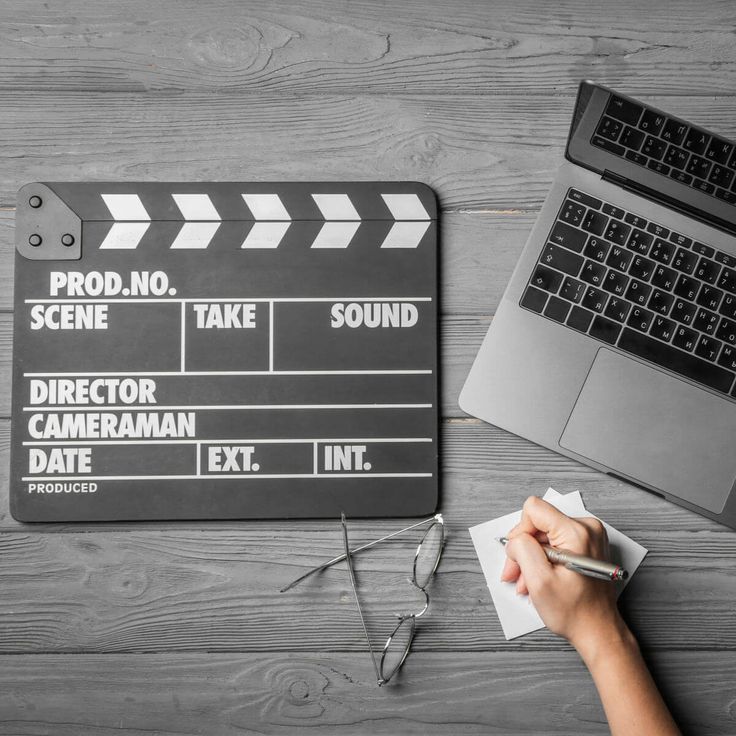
[67, 239]
[35, 240]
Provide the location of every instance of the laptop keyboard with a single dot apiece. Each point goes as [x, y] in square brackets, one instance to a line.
[668, 146]
[635, 284]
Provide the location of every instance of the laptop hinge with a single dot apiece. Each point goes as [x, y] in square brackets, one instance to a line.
[667, 201]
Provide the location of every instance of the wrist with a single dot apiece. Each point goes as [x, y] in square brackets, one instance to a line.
[608, 637]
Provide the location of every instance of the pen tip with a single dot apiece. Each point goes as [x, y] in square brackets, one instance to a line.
[502, 540]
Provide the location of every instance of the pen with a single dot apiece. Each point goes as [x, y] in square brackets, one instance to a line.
[580, 563]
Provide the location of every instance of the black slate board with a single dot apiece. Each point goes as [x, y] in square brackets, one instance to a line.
[207, 351]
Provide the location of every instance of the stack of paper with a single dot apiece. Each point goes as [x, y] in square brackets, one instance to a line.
[517, 613]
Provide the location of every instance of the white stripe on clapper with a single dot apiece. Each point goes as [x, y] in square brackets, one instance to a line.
[412, 221]
[336, 234]
[196, 234]
[134, 221]
[270, 208]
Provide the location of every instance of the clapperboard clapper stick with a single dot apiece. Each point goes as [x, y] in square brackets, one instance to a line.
[224, 350]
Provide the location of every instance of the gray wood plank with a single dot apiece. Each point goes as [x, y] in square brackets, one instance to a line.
[213, 586]
[216, 694]
[516, 46]
[480, 152]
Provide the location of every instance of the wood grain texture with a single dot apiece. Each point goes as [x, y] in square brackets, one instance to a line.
[481, 48]
[328, 693]
[178, 628]
[481, 153]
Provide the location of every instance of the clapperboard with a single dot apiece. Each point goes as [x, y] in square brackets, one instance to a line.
[224, 350]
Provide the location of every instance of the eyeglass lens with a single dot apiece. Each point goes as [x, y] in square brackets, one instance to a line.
[397, 648]
[428, 555]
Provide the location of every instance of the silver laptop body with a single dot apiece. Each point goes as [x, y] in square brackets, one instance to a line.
[632, 372]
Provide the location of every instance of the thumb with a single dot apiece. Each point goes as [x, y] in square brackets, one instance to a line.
[528, 554]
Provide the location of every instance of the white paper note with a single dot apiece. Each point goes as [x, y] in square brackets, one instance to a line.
[517, 613]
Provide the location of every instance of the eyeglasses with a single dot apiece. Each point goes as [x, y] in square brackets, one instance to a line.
[426, 559]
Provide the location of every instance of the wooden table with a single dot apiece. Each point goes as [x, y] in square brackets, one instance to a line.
[179, 628]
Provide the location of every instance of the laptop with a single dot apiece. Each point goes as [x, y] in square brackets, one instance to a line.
[615, 341]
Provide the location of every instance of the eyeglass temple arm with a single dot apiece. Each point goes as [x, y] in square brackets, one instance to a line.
[348, 557]
[340, 558]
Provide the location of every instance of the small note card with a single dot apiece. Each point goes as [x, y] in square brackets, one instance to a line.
[517, 613]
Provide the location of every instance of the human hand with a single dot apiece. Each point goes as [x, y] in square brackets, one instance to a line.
[579, 608]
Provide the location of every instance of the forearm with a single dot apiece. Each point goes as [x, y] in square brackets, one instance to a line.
[630, 698]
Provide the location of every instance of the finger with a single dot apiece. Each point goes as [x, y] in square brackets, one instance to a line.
[511, 571]
[538, 515]
[521, 588]
[526, 551]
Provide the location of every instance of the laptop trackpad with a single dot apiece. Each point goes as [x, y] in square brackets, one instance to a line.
[645, 424]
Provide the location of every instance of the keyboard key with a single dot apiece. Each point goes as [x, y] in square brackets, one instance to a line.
[657, 230]
[703, 186]
[659, 167]
[534, 299]
[696, 141]
[617, 232]
[619, 258]
[607, 145]
[726, 196]
[631, 138]
[596, 248]
[615, 282]
[685, 338]
[721, 176]
[637, 158]
[675, 360]
[699, 166]
[572, 289]
[609, 128]
[687, 287]
[636, 221]
[719, 150]
[662, 328]
[546, 279]
[579, 319]
[642, 268]
[640, 241]
[570, 237]
[624, 110]
[705, 321]
[593, 273]
[676, 157]
[708, 347]
[685, 260]
[703, 249]
[727, 358]
[561, 259]
[595, 222]
[660, 301]
[727, 331]
[707, 270]
[728, 306]
[662, 251]
[640, 319]
[612, 211]
[572, 212]
[617, 309]
[681, 176]
[727, 280]
[683, 311]
[725, 259]
[664, 278]
[604, 329]
[674, 132]
[654, 148]
[557, 309]
[709, 297]
[651, 122]
[678, 239]
[638, 292]
[585, 199]
[594, 299]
